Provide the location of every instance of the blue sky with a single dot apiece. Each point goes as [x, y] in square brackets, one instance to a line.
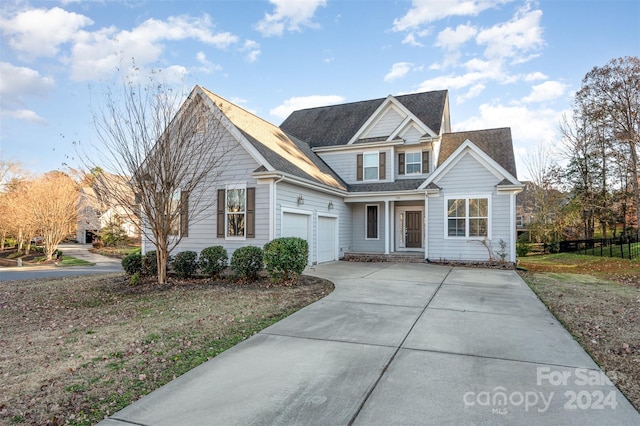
[505, 63]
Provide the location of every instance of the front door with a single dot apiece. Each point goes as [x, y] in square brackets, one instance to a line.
[414, 229]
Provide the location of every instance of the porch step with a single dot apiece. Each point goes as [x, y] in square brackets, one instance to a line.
[408, 257]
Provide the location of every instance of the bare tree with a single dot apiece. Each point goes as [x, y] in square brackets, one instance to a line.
[51, 203]
[171, 156]
[611, 96]
[543, 196]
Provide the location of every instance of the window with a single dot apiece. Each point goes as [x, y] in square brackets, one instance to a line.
[371, 164]
[174, 213]
[468, 217]
[413, 163]
[372, 222]
[235, 212]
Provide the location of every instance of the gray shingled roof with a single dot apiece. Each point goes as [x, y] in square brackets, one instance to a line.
[399, 185]
[336, 124]
[283, 165]
[496, 143]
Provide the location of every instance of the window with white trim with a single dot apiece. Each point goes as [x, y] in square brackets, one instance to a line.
[468, 217]
[371, 165]
[413, 163]
[236, 210]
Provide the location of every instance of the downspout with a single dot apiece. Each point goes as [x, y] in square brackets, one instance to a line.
[272, 209]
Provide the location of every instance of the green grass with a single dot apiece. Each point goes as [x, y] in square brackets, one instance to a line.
[72, 261]
[621, 251]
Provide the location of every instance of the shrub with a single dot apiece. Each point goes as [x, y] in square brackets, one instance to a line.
[285, 256]
[522, 248]
[113, 234]
[185, 263]
[213, 260]
[247, 261]
[135, 279]
[97, 244]
[132, 263]
[150, 263]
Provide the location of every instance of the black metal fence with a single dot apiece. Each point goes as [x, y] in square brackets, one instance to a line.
[626, 248]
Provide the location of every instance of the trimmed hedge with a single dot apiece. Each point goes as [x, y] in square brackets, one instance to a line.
[185, 263]
[247, 261]
[132, 263]
[213, 260]
[286, 256]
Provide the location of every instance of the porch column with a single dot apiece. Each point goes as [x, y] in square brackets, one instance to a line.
[386, 227]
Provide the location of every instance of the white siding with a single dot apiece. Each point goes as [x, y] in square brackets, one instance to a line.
[466, 179]
[390, 120]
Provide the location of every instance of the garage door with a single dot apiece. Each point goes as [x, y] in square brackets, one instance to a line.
[295, 225]
[326, 239]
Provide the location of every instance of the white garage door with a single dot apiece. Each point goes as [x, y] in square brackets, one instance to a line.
[326, 239]
[295, 225]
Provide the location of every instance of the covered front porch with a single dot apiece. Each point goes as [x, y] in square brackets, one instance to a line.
[389, 226]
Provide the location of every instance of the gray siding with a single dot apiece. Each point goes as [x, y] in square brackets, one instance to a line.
[203, 229]
[344, 163]
[315, 203]
[386, 125]
[466, 179]
[358, 219]
[411, 135]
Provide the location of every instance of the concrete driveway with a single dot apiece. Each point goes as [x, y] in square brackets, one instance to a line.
[398, 344]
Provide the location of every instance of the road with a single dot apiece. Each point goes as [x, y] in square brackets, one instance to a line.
[102, 265]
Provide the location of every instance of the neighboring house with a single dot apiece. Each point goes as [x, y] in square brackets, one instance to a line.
[96, 209]
[381, 176]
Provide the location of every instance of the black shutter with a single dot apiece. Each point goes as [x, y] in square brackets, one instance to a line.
[401, 163]
[382, 166]
[359, 167]
[425, 161]
[251, 213]
[372, 221]
[221, 211]
[184, 213]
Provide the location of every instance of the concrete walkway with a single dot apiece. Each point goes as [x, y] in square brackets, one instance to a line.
[398, 344]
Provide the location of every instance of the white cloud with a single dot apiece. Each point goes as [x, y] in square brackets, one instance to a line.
[207, 66]
[512, 39]
[398, 70]
[529, 127]
[410, 39]
[426, 11]
[535, 76]
[25, 115]
[40, 32]
[17, 84]
[452, 39]
[289, 15]
[252, 49]
[545, 91]
[98, 54]
[302, 102]
[451, 82]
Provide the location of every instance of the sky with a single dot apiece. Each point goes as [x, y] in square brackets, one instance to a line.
[505, 63]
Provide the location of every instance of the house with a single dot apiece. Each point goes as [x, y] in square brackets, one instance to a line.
[96, 209]
[381, 176]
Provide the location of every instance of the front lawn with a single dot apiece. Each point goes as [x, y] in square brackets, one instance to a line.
[598, 301]
[75, 350]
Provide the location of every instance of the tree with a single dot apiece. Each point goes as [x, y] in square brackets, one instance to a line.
[544, 200]
[51, 204]
[172, 158]
[611, 97]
